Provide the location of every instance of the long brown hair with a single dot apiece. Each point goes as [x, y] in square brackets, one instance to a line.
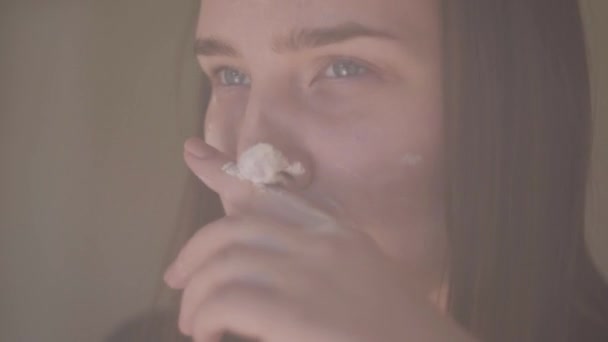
[518, 128]
[518, 135]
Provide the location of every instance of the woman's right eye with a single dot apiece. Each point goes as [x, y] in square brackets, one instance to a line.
[231, 77]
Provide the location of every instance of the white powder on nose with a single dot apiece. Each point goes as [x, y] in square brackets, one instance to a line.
[263, 164]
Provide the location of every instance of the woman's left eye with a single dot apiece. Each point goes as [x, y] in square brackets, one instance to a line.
[345, 68]
[228, 76]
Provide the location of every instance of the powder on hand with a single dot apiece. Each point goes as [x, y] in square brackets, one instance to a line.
[262, 164]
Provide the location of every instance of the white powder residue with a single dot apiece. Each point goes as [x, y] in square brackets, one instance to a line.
[263, 164]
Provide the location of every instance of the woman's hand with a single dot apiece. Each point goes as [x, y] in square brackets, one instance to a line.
[262, 277]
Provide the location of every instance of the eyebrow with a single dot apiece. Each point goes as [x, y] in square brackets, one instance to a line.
[306, 38]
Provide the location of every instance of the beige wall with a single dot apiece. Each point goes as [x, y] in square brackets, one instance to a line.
[90, 151]
[595, 13]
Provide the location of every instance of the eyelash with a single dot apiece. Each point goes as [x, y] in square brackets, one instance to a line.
[364, 69]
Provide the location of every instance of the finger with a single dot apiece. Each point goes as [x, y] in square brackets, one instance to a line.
[248, 311]
[290, 208]
[209, 165]
[284, 206]
[230, 230]
[237, 263]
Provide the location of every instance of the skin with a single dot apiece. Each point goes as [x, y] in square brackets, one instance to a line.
[362, 245]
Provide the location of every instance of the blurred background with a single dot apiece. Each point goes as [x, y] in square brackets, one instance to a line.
[96, 99]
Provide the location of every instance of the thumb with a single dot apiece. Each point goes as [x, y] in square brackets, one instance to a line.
[208, 164]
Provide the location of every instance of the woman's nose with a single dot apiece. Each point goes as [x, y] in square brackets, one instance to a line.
[273, 121]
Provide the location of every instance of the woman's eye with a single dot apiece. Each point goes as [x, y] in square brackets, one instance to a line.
[345, 68]
[232, 77]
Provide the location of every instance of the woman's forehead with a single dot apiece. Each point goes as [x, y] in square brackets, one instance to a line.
[268, 17]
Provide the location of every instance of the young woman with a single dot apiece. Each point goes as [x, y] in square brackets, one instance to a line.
[443, 148]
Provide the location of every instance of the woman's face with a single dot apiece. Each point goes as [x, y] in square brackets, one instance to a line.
[349, 88]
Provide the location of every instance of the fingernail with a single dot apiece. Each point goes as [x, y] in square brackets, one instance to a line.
[197, 147]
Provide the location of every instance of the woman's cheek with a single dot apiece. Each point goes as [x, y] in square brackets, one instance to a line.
[349, 99]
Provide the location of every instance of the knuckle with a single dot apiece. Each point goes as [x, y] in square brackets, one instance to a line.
[234, 252]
